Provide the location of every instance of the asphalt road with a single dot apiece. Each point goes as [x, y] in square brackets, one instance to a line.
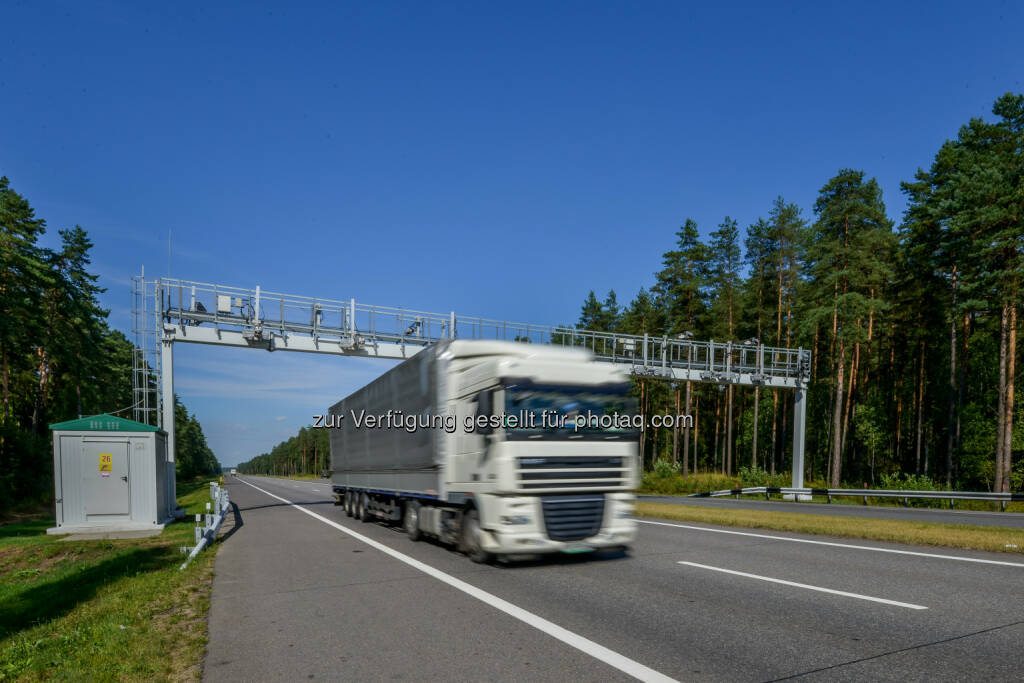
[1010, 520]
[296, 597]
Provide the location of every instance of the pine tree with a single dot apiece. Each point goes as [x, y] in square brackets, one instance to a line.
[756, 311]
[23, 277]
[848, 262]
[724, 288]
[987, 208]
[644, 315]
[680, 287]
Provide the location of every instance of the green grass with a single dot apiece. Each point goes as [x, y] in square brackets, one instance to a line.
[968, 537]
[104, 610]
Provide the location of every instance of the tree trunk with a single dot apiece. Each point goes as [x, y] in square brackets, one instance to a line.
[775, 425]
[5, 371]
[920, 408]
[963, 377]
[1011, 357]
[753, 450]
[951, 418]
[814, 346]
[643, 424]
[44, 376]
[728, 432]
[899, 420]
[851, 385]
[718, 413]
[1001, 426]
[675, 433]
[837, 414]
[866, 382]
[782, 434]
[696, 426]
[686, 438]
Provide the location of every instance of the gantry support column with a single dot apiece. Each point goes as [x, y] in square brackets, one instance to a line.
[799, 426]
[167, 419]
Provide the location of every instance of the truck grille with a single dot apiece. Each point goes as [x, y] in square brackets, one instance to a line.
[572, 518]
[560, 472]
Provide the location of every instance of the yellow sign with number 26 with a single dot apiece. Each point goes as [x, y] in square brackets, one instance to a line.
[106, 463]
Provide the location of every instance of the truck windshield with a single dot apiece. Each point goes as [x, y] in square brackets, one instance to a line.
[567, 410]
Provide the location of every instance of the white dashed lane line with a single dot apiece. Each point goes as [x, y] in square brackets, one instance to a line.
[794, 584]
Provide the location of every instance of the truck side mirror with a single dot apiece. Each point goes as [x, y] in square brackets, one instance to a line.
[484, 406]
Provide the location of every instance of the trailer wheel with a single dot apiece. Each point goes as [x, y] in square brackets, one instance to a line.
[471, 537]
[362, 514]
[348, 504]
[411, 520]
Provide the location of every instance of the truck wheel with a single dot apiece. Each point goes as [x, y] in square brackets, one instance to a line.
[362, 514]
[348, 503]
[471, 537]
[411, 520]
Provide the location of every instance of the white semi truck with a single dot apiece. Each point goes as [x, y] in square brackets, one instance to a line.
[499, 448]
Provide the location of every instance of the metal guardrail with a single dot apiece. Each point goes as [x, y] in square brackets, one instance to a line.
[207, 525]
[1003, 498]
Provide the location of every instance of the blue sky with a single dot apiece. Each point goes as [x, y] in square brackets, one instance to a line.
[492, 159]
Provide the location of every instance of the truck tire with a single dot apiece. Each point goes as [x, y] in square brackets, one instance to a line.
[411, 520]
[362, 514]
[348, 504]
[471, 537]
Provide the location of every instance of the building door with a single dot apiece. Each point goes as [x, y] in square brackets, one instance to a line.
[106, 493]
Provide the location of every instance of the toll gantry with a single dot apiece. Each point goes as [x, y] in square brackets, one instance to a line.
[168, 311]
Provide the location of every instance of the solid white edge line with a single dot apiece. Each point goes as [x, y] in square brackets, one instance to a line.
[599, 652]
[835, 545]
[884, 601]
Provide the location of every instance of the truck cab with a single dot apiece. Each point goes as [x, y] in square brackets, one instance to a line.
[555, 468]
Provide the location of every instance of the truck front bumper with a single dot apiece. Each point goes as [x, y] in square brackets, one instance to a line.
[516, 525]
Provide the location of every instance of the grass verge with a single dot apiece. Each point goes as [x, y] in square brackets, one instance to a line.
[964, 536]
[104, 610]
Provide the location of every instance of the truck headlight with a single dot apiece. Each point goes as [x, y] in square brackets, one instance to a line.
[515, 519]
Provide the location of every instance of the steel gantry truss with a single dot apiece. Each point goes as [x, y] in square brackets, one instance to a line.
[170, 310]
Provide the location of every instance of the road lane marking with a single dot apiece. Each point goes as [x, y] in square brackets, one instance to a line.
[317, 490]
[836, 545]
[832, 591]
[599, 652]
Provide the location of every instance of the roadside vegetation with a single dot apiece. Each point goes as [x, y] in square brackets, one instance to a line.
[59, 359]
[911, 320]
[666, 479]
[963, 536]
[105, 609]
[303, 456]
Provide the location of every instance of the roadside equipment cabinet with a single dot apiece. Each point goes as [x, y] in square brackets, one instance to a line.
[110, 474]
